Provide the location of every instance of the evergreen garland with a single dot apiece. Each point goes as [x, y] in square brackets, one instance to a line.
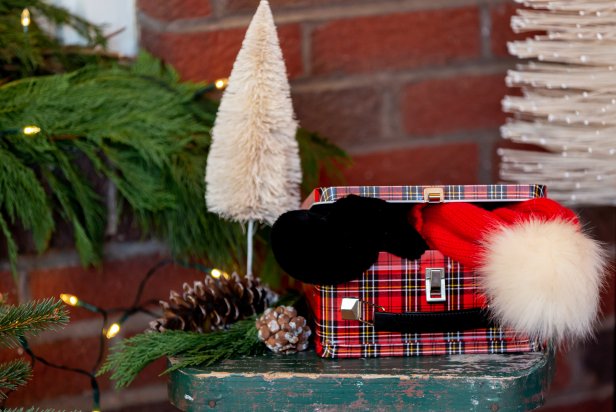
[15, 323]
[130, 356]
[137, 127]
[37, 52]
[140, 128]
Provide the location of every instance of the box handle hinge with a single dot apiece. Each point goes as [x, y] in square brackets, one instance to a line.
[353, 309]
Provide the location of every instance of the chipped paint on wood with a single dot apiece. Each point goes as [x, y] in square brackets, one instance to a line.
[306, 382]
[268, 376]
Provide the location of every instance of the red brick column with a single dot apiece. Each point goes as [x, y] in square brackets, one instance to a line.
[113, 285]
[410, 88]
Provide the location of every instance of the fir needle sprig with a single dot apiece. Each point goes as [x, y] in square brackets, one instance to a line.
[131, 356]
[16, 322]
[30, 318]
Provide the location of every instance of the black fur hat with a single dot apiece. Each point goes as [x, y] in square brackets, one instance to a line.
[335, 243]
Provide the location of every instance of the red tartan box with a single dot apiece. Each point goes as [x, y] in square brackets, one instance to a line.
[398, 286]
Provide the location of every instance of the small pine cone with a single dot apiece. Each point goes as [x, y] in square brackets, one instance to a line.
[283, 331]
[212, 304]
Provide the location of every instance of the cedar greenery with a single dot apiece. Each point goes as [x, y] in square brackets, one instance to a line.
[138, 127]
[130, 356]
[37, 52]
[15, 323]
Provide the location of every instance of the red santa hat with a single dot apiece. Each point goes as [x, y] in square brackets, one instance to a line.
[542, 275]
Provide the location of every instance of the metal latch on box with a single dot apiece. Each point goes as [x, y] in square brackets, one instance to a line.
[435, 282]
[353, 309]
[434, 195]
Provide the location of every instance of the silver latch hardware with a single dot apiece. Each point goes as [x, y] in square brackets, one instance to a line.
[353, 309]
[434, 195]
[435, 282]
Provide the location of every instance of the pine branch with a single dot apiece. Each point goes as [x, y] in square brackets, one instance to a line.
[13, 374]
[22, 198]
[137, 127]
[38, 51]
[88, 234]
[30, 319]
[131, 355]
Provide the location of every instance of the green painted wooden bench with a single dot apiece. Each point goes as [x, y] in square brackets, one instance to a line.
[305, 382]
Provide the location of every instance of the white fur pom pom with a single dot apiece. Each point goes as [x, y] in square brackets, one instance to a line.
[543, 278]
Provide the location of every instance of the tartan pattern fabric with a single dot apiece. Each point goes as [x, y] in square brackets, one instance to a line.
[415, 194]
[398, 285]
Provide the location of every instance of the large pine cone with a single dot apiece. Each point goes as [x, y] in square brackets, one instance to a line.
[282, 330]
[213, 304]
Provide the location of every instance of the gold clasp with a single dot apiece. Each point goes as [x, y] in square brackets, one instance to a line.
[434, 195]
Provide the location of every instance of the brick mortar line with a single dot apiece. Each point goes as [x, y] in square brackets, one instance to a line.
[389, 112]
[91, 328]
[145, 21]
[473, 67]
[479, 136]
[65, 258]
[23, 287]
[485, 30]
[486, 167]
[306, 48]
[313, 14]
[396, 117]
[218, 8]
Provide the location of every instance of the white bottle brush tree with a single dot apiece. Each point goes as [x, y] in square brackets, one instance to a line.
[568, 106]
[253, 170]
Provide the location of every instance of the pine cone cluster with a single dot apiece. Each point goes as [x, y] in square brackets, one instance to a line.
[213, 304]
[282, 330]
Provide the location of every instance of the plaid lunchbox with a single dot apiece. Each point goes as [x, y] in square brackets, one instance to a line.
[399, 307]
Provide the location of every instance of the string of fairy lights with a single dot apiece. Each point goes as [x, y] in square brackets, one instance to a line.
[25, 19]
[32, 130]
[108, 331]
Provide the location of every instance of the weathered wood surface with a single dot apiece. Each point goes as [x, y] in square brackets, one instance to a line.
[306, 382]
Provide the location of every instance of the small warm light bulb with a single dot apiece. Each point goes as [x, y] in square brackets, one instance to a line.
[113, 330]
[25, 18]
[69, 299]
[221, 83]
[31, 130]
[216, 273]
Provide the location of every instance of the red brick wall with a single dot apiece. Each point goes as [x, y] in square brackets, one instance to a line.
[383, 79]
[410, 88]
